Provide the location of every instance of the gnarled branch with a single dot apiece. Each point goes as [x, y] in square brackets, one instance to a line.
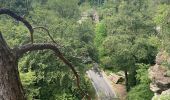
[18, 18]
[41, 46]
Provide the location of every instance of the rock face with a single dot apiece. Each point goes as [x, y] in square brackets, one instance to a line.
[116, 78]
[165, 95]
[158, 74]
[160, 82]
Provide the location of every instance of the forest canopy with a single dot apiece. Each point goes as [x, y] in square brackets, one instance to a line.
[118, 35]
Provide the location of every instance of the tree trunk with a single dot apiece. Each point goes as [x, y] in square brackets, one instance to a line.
[126, 80]
[134, 80]
[10, 84]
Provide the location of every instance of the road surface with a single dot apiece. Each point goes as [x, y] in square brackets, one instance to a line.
[102, 86]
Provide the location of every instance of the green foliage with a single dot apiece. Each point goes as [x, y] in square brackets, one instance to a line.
[140, 92]
[137, 92]
[162, 14]
[162, 97]
[145, 49]
[19, 6]
[96, 2]
[128, 37]
[106, 61]
[65, 8]
[117, 47]
[100, 34]
[161, 18]
[142, 73]
[43, 75]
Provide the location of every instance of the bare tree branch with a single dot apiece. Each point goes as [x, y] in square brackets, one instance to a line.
[18, 18]
[41, 46]
[48, 33]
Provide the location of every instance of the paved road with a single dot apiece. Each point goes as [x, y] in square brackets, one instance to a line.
[101, 85]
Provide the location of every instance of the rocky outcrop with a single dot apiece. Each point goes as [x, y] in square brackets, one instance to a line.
[158, 74]
[165, 95]
[160, 82]
[117, 79]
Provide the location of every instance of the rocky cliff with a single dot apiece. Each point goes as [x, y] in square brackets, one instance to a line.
[159, 75]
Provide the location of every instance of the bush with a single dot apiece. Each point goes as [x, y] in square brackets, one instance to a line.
[140, 92]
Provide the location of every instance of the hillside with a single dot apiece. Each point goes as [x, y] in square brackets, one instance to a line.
[84, 49]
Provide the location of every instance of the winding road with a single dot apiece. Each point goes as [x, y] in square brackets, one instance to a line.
[102, 86]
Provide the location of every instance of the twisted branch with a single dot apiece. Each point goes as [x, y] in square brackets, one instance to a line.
[74, 71]
[41, 46]
[18, 18]
[32, 47]
[48, 33]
